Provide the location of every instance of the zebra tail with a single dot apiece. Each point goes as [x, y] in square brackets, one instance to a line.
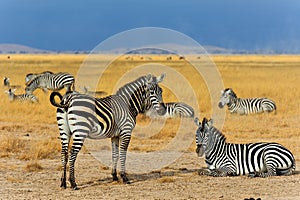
[53, 102]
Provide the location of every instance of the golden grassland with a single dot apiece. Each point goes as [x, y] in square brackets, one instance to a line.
[29, 131]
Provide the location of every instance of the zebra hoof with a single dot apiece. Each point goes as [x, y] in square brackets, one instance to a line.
[76, 188]
[252, 175]
[63, 185]
[115, 177]
[125, 179]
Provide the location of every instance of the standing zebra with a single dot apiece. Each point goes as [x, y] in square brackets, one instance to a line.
[253, 159]
[245, 106]
[51, 81]
[83, 116]
[173, 110]
[21, 97]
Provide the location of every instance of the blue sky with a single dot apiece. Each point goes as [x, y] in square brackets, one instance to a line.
[81, 25]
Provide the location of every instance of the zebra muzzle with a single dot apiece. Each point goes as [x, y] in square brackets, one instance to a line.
[200, 150]
[220, 105]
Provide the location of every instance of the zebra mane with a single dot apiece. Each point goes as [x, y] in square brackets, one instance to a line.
[231, 92]
[212, 131]
[129, 88]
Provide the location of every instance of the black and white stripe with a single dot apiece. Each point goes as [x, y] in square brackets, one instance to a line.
[51, 81]
[253, 159]
[83, 116]
[173, 110]
[21, 97]
[29, 77]
[245, 106]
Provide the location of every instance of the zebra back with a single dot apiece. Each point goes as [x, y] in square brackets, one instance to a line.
[51, 81]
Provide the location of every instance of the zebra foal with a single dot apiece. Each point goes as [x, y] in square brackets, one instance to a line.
[21, 97]
[253, 159]
[48, 80]
[245, 106]
[82, 116]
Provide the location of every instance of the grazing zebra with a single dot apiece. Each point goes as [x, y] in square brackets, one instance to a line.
[173, 110]
[83, 116]
[51, 81]
[31, 76]
[253, 159]
[21, 97]
[245, 106]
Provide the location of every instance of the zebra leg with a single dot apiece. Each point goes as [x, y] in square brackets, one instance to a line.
[64, 161]
[271, 171]
[115, 157]
[65, 140]
[77, 144]
[123, 152]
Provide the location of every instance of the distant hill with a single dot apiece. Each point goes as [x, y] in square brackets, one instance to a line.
[152, 49]
[20, 49]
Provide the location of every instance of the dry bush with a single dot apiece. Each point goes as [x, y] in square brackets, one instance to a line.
[11, 144]
[33, 166]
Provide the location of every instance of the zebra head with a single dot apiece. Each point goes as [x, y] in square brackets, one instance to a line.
[11, 94]
[227, 96]
[154, 93]
[202, 135]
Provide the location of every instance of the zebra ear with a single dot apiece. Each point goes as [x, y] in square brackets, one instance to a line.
[160, 78]
[149, 78]
[197, 122]
[210, 122]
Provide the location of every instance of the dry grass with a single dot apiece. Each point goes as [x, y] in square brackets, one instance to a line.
[33, 166]
[276, 77]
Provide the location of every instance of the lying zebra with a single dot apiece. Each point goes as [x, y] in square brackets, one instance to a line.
[51, 81]
[245, 106]
[253, 159]
[173, 110]
[21, 97]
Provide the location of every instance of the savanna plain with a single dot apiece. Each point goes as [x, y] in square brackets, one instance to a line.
[30, 166]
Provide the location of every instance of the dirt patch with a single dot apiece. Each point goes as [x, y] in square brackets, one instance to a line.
[177, 181]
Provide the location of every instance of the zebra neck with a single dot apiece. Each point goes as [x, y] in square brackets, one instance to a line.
[233, 103]
[135, 102]
[216, 145]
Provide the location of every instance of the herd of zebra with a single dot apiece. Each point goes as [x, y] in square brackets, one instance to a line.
[81, 116]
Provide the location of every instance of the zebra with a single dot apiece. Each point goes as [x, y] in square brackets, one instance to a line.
[31, 76]
[253, 159]
[51, 81]
[245, 106]
[83, 116]
[6, 83]
[173, 110]
[21, 97]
